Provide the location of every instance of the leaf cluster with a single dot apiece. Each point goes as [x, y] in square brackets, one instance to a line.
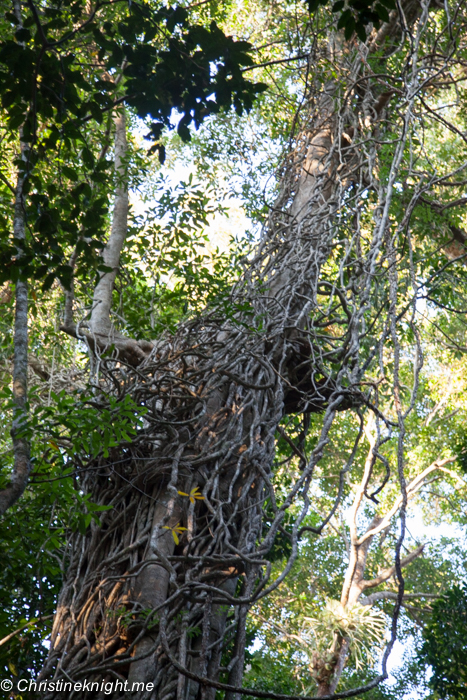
[63, 70]
[445, 646]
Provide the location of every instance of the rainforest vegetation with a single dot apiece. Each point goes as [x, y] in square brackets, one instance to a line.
[233, 337]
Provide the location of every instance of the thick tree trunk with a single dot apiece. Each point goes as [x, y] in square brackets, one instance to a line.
[136, 599]
[158, 591]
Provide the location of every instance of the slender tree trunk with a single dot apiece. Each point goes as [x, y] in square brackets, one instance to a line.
[102, 299]
[355, 584]
[21, 442]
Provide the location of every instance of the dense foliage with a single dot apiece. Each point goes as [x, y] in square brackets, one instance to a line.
[157, 60]
[445, 644]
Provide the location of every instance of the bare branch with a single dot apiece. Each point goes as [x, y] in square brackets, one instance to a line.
[385, 574]
[412, 489]
[392, 595]
[31, 623]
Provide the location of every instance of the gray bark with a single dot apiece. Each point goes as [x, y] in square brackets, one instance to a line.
[99, 332]
[151, 585]
[102, 300]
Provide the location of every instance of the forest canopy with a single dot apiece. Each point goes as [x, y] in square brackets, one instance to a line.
[233, 317]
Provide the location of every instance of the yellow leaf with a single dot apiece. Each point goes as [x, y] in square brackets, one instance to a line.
[174, 530]
[194, 493]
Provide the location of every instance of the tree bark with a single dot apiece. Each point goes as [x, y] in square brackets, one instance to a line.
[102, 300]
[355, 584]
[99, 333]
[159, 590]
[21, 441]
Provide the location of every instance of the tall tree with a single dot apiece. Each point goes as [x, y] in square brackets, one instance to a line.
[321, 322]
[203, 463]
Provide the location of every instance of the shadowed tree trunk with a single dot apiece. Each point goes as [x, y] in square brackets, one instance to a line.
[21, 444]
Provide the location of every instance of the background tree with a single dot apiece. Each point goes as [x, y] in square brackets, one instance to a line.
[52, 113]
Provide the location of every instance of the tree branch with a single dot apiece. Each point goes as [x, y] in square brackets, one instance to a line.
[131, 351]
[6, 639]
[412, 489]
[392, 595]
[390, 570]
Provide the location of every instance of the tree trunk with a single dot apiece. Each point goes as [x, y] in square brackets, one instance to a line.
[102, 299]
[136, 598]
[158, 591]
[21, 441]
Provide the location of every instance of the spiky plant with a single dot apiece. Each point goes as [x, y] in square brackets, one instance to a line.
[360, 626]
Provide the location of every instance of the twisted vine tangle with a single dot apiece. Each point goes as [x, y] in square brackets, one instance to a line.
[159, 590]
